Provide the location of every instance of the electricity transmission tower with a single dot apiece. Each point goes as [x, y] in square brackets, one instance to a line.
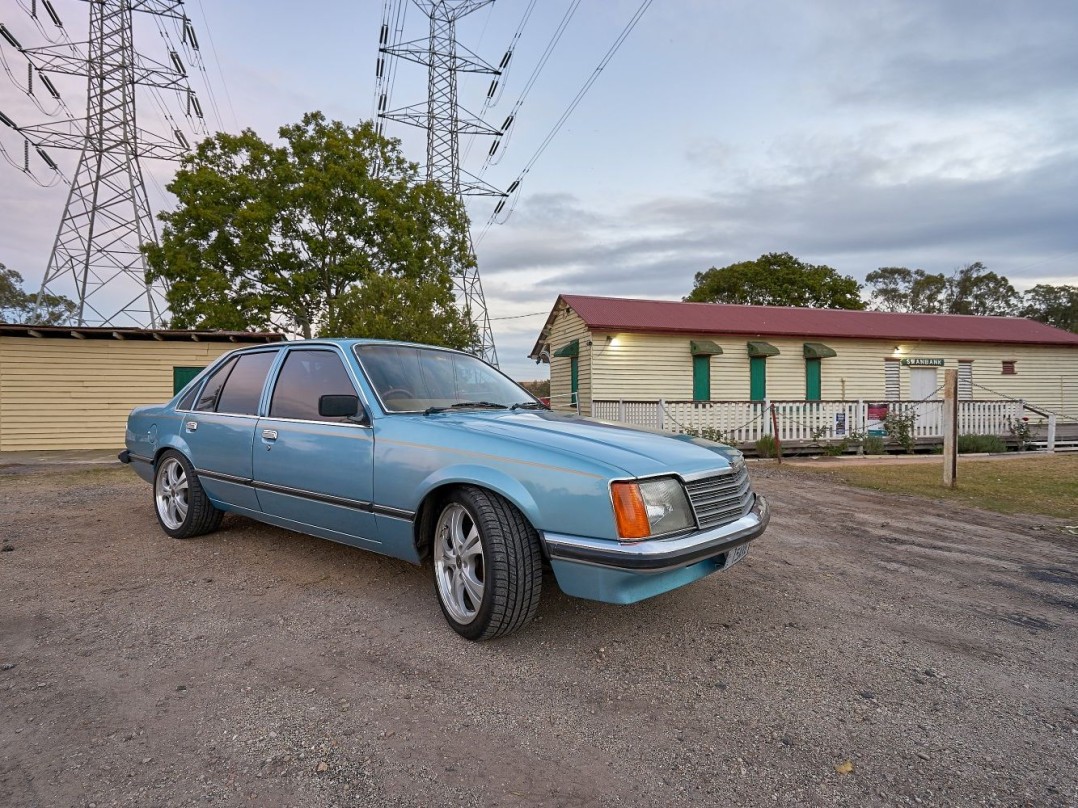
[445, 121]
[107, 216]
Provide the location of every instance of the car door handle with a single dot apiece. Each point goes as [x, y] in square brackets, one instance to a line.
[269, 434]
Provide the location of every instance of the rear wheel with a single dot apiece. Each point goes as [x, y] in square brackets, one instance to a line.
[183, 509]
[487, 566]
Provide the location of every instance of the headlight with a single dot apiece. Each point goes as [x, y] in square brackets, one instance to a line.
[651, 508]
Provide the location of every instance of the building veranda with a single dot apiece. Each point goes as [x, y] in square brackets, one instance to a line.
[743, 372]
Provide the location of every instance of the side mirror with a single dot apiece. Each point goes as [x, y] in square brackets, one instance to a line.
[338, 406]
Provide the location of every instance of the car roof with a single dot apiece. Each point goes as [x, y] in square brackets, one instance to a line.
[349, 341]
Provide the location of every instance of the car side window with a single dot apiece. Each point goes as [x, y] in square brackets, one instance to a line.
[211, 390]
[304, 378]
[243, 387]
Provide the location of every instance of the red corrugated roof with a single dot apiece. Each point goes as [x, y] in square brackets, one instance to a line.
[622, 314]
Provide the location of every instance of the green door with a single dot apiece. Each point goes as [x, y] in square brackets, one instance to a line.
[812, 380]
[701, 378]
[757, 378]
[181, 376]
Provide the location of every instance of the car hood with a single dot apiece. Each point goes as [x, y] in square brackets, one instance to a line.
[631, 451]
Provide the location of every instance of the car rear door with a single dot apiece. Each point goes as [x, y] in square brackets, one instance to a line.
[313, 473]
[219, 429]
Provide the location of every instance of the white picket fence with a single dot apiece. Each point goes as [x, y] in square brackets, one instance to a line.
[805, 421]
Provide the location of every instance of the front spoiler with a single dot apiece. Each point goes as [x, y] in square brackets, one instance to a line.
[660, 555]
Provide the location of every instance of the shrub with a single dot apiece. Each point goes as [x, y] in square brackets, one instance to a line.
[899, 427]
[874, 445]
[766, 446]
[968, 444]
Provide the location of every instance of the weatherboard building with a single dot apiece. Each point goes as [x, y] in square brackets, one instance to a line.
[607, 351]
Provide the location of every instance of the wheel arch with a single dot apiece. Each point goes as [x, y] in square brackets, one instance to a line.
[439, 485]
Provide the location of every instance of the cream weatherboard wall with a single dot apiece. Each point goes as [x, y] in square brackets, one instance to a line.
[567, 327]
[76, 393]
[640, 366]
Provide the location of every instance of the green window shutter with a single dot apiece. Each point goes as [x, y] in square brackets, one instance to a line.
[574, 378]
[812, 380]
[701, 378]
[757, 378]
[181, 376]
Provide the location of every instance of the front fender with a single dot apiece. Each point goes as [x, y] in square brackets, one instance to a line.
[484, 477]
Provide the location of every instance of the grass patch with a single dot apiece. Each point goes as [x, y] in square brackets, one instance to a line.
[1046, 484]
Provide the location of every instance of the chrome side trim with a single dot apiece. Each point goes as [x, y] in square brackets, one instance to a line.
[395, 513]
[140, 458]
[660, 555]
[344, 502]
[220, 475]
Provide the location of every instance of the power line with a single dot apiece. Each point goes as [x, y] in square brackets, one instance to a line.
[514, 187]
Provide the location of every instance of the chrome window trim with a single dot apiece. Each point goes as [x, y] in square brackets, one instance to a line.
[342, 355]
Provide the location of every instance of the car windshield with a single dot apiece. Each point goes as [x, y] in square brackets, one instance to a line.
[411, 379]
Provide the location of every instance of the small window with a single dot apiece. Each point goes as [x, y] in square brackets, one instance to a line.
[182, 376]
[306, 377]
[211, 390]
[891, 389]
[243, 388]
[965, 379]
[1008, 368]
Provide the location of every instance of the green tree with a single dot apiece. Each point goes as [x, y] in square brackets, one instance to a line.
[300, 237]
[974, 290]
[1054, 305]
[971, 289]
[17, 306]
[901, 289]
[777, 279]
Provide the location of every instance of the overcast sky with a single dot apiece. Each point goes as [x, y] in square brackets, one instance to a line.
[855, 134]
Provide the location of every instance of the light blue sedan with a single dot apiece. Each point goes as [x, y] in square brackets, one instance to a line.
[420, 452]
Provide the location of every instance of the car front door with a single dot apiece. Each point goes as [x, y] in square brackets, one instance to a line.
[315, 473]
[219, 429]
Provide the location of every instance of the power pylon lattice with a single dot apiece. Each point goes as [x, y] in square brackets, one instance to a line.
[445, 121]
[107, 216]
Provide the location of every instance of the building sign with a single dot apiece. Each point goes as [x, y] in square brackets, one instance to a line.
[932, 363]
[877, 414]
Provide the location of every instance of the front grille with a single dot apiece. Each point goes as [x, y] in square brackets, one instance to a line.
[721, 499]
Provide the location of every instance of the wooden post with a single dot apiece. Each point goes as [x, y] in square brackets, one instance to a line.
[775, 434]
[950, 428]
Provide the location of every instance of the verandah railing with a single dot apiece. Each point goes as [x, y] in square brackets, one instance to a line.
[805, 421]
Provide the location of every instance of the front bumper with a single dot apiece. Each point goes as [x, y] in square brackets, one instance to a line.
[625, 572]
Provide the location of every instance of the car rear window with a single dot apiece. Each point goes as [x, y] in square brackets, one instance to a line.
[243, 388]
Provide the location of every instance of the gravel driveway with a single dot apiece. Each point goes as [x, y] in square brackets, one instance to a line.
[872, 649]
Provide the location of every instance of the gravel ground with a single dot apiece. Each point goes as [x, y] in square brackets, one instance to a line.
[872, 649]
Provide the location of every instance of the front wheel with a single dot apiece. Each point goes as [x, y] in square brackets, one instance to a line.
[183, 509]
[488, 570]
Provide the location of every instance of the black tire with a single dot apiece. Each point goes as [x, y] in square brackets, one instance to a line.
[182, 507]
[508, 566]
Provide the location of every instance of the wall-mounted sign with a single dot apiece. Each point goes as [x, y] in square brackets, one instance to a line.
[932, 363]
[877, 414]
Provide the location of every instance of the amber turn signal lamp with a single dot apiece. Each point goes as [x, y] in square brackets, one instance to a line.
[629, 511]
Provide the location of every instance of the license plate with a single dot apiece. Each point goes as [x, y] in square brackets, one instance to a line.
[735, 555]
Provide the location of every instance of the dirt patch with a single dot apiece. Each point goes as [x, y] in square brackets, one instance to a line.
[931, 646]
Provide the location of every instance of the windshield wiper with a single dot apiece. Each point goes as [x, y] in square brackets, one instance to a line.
[467, 405]
[528, 405]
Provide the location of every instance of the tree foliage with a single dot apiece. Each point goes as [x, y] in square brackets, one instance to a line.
[777, 279]
[17, 306]
[1054, 305]
[972, 289]
[331, 232]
